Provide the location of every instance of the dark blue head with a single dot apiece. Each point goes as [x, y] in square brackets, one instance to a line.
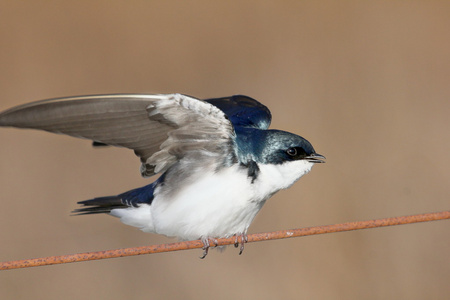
[274, 146]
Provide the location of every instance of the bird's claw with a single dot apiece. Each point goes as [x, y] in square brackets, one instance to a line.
[208, 242]
[244, 239]
[206, 245]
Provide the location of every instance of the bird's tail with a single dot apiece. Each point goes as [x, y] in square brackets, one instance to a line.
[136, 197]
[99, 205]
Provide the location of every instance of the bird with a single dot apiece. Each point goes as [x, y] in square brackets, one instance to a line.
[217, 160]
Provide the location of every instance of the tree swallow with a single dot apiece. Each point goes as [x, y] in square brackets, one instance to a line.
[217, 159]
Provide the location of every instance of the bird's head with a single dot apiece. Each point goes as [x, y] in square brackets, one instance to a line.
[281, 156]
[279, 147]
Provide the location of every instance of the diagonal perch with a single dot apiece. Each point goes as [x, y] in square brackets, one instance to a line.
[257, 237]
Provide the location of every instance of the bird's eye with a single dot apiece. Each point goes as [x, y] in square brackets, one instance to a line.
[292, 151]
[296, 152]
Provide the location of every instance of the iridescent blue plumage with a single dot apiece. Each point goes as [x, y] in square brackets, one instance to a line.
[243, 111]
[218, 160]
[248, 117]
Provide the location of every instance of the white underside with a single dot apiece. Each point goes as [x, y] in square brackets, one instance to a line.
[216, 204]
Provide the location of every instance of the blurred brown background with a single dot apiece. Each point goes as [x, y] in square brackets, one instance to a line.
[366, 82]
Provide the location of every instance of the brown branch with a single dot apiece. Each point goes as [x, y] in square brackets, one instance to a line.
[257, 237]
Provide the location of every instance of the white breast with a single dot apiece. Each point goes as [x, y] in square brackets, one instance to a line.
[216, 204]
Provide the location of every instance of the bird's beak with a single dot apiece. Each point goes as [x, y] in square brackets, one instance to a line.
[315, 158]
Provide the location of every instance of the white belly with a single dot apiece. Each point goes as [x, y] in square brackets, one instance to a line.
[215, 204]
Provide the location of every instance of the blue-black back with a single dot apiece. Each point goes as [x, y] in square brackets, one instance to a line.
[243, 111]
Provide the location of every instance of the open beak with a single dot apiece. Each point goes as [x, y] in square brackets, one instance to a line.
[315, 158]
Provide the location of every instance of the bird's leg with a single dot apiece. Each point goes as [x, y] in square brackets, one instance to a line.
[207, 245]
[244, 239]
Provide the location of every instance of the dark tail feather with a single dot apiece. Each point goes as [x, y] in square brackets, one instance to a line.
[99, 205]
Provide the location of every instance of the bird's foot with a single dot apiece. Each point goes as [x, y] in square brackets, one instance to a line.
[207, 244]
[244, 239]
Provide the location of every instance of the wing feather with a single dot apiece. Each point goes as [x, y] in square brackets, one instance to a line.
[161, 129]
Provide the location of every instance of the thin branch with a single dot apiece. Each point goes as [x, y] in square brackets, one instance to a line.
[257, 237]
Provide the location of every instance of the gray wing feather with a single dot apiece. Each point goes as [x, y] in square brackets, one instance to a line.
[161, 129]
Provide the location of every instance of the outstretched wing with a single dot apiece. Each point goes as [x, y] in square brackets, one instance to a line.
[243, 111]
[161, 129]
